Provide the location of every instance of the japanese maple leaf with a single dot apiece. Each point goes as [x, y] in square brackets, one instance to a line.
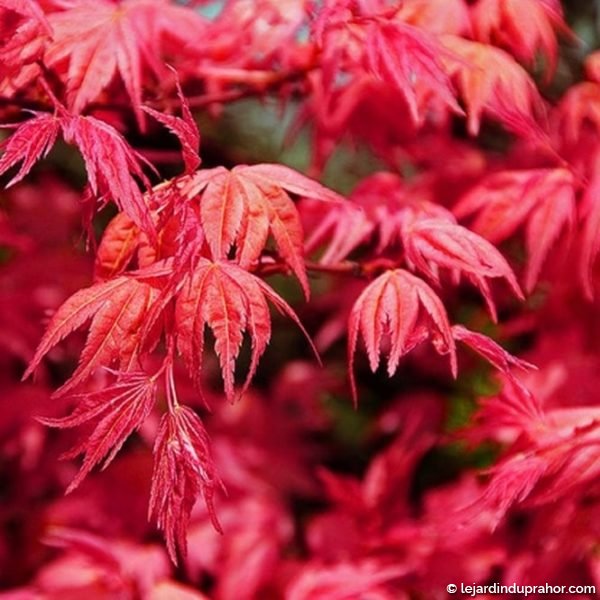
[117, 309]
[230, 301]
[543, 200]
[243, 206]
[404, 308]
[112, 166]
[121, 408]
[32, 140]
[490, 81]
[501, 22]
[184, 128]
[183, 470]
[24, 31]
[99, 39]
[431, 244]
[409, 59]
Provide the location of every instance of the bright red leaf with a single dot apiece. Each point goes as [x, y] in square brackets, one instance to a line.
[431, 244]
[541, 199]
[117, 309]
[183, 470]
[230, 301]
[122, 407]
[403, 308]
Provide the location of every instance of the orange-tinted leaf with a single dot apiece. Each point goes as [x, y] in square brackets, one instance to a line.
[117, 308]
[117, 247]
[240, 207]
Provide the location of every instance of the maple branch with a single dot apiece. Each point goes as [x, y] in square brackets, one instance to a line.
[363, 270]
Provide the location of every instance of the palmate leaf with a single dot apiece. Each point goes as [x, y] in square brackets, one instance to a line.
[117, 309]
[431, 244]
[541, 200]
[491, 82]
[94, 41]
[122, 407]
[112, 165]
[243, 206]
[183, 470]
[230, 301]
[406, 309]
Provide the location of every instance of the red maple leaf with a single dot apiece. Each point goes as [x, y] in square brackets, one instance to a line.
[230, 301]
[95, 40]
[122, 407]
[399, 305]
[543, 200]
[183, 470]
[117, 309]
[112, 166]
[242, 206]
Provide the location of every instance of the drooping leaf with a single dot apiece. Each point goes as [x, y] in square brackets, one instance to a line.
[230, 301]
[431, 244]
[111, 166]
[183, 471]
[403, 307]
[541, 199]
